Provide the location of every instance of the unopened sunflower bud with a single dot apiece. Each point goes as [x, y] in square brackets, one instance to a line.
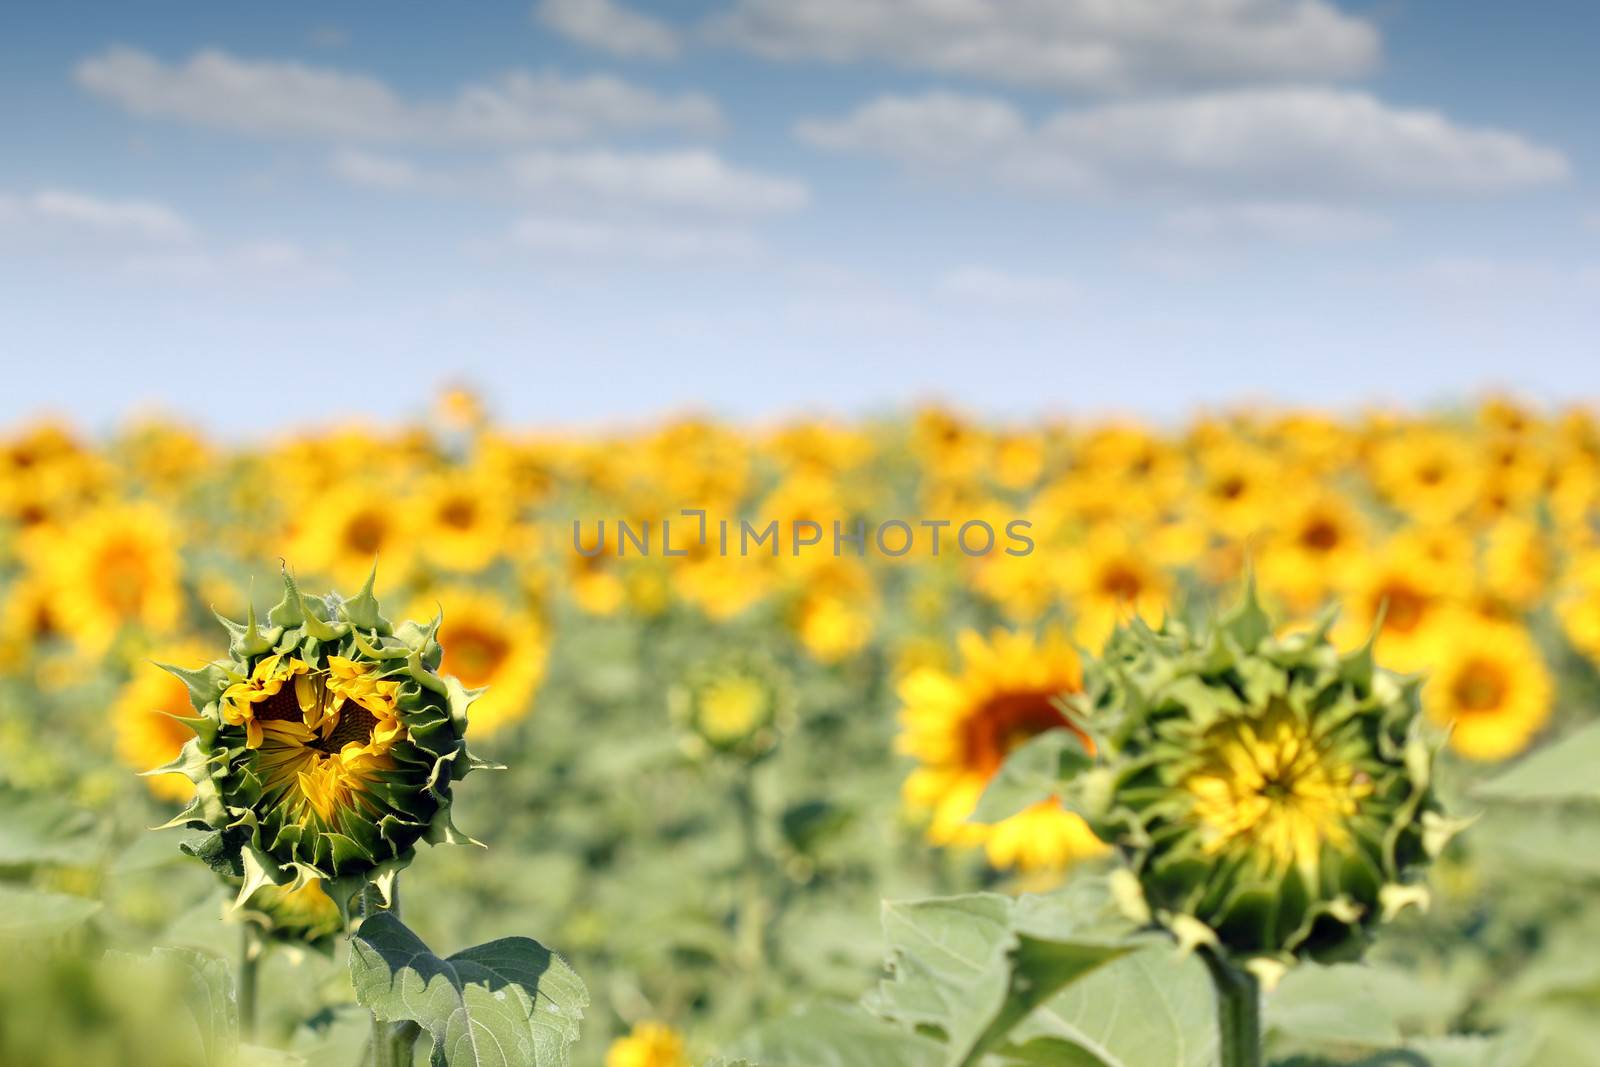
[326, 747]
[1269, 790]
[738, 706]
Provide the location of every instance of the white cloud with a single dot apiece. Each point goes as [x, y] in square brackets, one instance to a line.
[1298, 221]
[691, 179]
[609, 26]
[937, 129]
[597, 239]
[1008, 289]
[140, 221]
[374, 171]
[1299, 143]
[261, 262]
[286, 98]
[1098, 45]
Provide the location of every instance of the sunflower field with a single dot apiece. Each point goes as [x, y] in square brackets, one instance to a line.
[904, 741]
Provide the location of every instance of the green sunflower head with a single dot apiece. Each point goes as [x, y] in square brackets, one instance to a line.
[1271, 795]
[736, 706]
[326, 746]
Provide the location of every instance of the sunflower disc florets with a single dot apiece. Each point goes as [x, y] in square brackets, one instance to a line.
[1271, 794]
[326, 747]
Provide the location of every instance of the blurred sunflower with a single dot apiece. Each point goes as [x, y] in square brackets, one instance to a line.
[960, 728]
[1518, 563]
[1488, 684]
[1237, 491]
[836, 615]
[147, 735]
[1428, 473]
[1578, 604]
[1410, 590]
[342, 532]
[648, 1045]
[465, 521]
[488, 643]
[115, 567]
[1312, 550]
[1107, 578]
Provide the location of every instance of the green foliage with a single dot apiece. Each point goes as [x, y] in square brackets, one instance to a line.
[508, 1003]
[1563, 772]
[964, 973]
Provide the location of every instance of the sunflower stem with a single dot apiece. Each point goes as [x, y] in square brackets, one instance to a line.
[752, 919]
[1238, 1012]
[251, 949]
[391, 1045]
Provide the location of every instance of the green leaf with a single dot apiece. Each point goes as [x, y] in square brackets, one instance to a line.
[963, 970]
[1040, 968]
[1562, 771]
[1320, 1006]
[507, 1003]
[209, 995]
[25, 914]
[37, 829]
[1151, 1008]
[947, 963]
[1031, 773]
[836, 1035]
[1503, 1051]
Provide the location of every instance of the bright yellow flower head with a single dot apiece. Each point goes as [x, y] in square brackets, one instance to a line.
[648, 1045]
[1488, 683]
[142, 718]
[342, 532]
[488, 643]
[1108, 578]
[960, 727]
[112, 568]
[1430, 474]
[466, 521]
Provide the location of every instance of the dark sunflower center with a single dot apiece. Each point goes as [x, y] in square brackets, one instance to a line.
[1405, 608]
[458, 513]
[1320, 535]
[1480, 687]
[476, 654]
[1121, 582]
[280, 706]
[1007, 721]
[355, 724]
[365, 533]
[1231, 487]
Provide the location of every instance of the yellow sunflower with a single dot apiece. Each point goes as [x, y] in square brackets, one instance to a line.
[1578, 605]
[1488, 684]
[466, 521]
[960, 728]
[1312, 550]
[1109, 577]
[1430, 474]
[1518, 563]
[648, 1045]
[342, 532]
[112, 568]
[488, 643]
[1410, 589]
[836, 615]
[147, 736]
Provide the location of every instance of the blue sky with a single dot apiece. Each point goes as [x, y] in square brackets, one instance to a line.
[262, 215]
